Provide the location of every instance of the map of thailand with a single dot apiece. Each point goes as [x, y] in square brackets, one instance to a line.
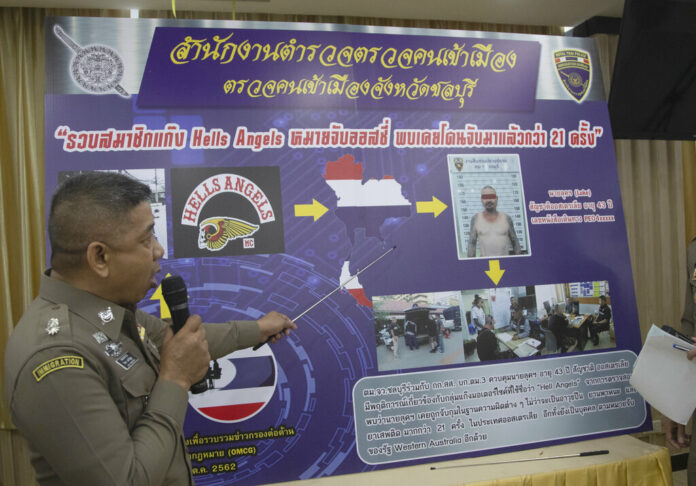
[363, 205]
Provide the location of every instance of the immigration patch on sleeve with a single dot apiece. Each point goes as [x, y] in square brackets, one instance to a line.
[226, 211]
[56, 364]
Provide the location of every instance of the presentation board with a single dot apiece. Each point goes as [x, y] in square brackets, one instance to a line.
[417, 176]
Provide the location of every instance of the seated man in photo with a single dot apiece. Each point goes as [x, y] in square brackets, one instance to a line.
[601, 321]
[558, 323]
[487, 343]
[520, 325]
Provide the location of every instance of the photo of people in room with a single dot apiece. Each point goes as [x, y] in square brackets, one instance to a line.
[482, 325]
[540, 320]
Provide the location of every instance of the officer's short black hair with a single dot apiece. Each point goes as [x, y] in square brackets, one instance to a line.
[89, 207]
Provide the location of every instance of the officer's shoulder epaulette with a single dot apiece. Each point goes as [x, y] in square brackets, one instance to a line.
[54, 323]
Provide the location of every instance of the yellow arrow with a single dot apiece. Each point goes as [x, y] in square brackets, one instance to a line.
[494, 272]
[435, 206]
[316, 209]
[164, 308]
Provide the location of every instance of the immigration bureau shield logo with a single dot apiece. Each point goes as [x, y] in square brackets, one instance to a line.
[246, 385]
[226, 212]
[574, 71]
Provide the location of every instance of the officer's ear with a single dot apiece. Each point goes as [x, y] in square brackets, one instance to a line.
[98, 258]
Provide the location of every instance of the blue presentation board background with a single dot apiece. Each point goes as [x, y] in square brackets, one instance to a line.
[334, 347]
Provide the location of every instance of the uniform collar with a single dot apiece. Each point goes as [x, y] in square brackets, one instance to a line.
[104, 315]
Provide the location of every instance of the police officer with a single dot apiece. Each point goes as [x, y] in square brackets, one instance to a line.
[97, 387]
[675, 432]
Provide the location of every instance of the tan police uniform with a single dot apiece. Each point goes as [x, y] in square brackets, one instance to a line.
[81, 383]
[688, 322]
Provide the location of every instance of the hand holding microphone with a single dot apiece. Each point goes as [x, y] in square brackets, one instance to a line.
[185, 356]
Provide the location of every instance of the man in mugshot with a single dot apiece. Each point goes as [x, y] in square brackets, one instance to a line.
[492, 229]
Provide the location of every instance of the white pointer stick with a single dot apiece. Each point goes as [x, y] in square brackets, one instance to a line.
[337, 288]
[346, 282]
[578, 454]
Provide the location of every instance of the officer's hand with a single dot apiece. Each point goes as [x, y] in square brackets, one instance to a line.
[273, 325]
[692, 354]
[185, 357]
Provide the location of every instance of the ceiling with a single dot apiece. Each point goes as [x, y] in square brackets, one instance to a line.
[522, 12]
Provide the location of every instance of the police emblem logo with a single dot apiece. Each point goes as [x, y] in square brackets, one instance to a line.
[113, 349]
[459, 165]
[96, 68]
[573, 68]
[227, 212]
[106, 315]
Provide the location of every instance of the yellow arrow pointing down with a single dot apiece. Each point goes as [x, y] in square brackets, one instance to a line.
[494, 272]
[315, 210]
[435, 206]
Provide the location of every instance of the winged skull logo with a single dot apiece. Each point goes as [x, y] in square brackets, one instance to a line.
[214, 233]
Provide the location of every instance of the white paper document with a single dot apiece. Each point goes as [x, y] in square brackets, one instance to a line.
[664, 377]
[525, 349]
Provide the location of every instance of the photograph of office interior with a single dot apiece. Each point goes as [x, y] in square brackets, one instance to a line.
[521, 322]
[479, 325]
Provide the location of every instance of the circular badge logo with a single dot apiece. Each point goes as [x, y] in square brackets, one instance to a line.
[575, 80]
[246, 385]
[97, 69]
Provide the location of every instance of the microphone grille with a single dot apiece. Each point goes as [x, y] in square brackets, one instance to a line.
[174, 290]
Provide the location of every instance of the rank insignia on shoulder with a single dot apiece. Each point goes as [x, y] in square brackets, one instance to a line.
[106, 315]
[52, 326]
[127, 360]
[100, 337]
[56, 364]
[113, 350]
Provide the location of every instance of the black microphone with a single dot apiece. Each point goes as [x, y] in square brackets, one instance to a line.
[174, 294]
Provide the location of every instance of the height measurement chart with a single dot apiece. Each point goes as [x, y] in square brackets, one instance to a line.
[468, 175]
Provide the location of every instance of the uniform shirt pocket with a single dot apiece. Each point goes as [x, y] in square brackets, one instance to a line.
[137, 384]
